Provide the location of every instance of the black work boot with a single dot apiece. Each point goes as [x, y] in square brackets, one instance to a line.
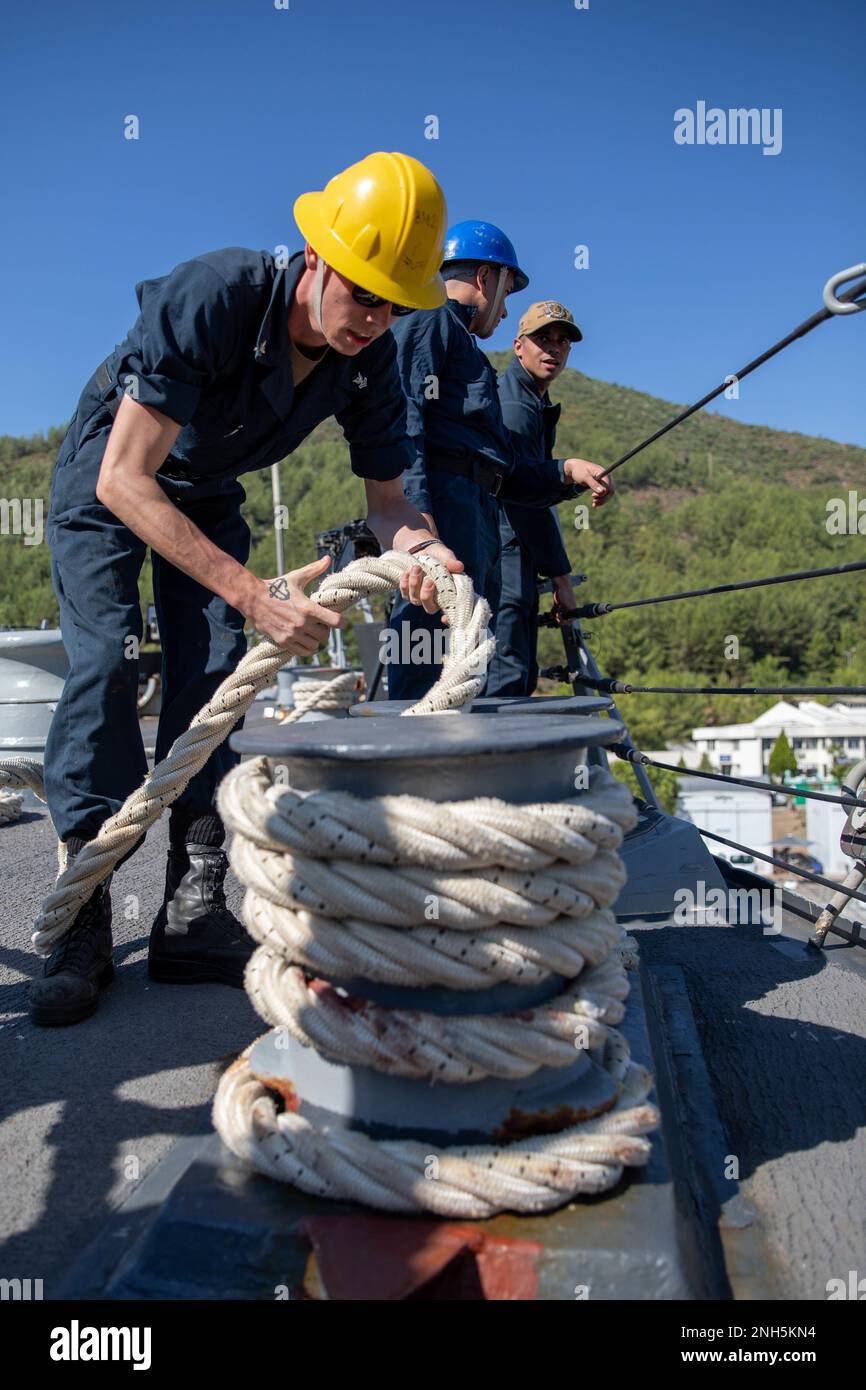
[195, 938]
[79, 966]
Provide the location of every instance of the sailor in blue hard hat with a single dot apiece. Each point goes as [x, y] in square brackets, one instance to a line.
[480, 252]
[464, 459]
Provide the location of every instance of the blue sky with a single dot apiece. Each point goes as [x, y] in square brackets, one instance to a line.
[556, 123]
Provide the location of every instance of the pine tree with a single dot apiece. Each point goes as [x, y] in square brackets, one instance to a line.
[782, 758]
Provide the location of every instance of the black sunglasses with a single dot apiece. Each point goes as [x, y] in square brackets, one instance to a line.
[373, 301]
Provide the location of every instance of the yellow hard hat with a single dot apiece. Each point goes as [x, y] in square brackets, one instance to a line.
[381, 223]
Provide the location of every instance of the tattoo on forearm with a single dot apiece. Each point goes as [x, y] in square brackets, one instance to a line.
[279, 588]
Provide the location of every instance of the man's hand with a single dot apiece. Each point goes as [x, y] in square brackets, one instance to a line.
[589, 475]
[418, 587]
[280, 609]
[398, 525]
[563, 596]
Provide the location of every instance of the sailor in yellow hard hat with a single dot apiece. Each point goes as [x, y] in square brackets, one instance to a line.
[234, 359]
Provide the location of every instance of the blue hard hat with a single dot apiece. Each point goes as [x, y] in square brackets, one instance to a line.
[482, 241]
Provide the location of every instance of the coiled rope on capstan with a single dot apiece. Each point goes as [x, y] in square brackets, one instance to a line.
[312, 693]
[343, 884]
[460, 681]
[274, 819]
[474, 1182]
[456, 1048]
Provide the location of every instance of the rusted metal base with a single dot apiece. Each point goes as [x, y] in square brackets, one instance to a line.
[400, 1108]
[202, 1226]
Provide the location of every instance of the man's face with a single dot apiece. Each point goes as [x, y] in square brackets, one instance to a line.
[544, 353]
[348, 326]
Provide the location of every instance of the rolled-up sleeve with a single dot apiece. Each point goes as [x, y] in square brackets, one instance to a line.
[185, 336]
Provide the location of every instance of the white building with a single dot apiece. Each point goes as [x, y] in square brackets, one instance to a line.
[824, 825]
[820, 735]
[738, 813]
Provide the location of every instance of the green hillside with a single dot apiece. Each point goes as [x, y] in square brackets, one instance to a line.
[713, 502]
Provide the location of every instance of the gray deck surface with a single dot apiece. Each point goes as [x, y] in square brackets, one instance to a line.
[783, 1035]
[88, 1112]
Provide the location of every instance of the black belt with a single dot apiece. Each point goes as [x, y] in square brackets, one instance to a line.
[486, 475]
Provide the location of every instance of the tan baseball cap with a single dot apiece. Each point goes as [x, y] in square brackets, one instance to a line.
[547, 311]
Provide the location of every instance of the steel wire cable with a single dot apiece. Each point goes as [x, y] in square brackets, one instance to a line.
[634, 755]
[598, 610]
[852, 296]
[608, 685]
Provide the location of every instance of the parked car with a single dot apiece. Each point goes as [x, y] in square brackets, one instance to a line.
[799, 859]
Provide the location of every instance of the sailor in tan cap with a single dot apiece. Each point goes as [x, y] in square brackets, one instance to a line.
[531, 537]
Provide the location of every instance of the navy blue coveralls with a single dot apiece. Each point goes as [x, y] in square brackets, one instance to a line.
[210, 349]
[455, 419]
[530, 538]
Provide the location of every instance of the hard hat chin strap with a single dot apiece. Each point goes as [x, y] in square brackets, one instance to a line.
[491, 318]
[318, 287]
